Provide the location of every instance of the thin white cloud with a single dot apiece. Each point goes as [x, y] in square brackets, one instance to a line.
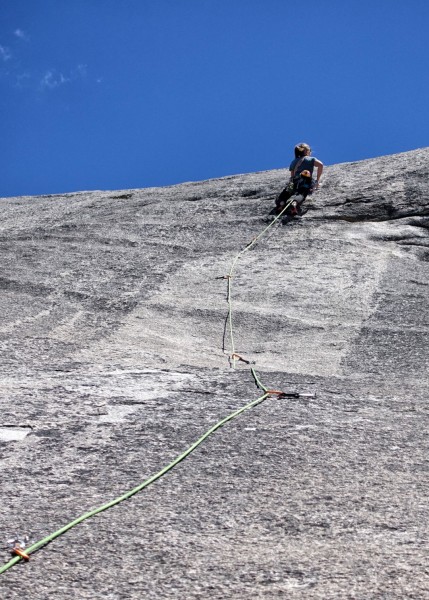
[5, 53]
[53, 79]
[20, 34]
[15, 73]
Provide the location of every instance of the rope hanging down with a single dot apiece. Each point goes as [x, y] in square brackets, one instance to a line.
[228, 323]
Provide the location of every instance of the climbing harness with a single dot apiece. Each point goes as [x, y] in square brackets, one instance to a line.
[18, 546]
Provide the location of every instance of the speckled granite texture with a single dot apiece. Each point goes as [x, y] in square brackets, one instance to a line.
[112, 319]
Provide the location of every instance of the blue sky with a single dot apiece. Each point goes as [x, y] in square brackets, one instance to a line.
[118, 94]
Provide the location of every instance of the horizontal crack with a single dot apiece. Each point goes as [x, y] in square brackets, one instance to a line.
[373, 218]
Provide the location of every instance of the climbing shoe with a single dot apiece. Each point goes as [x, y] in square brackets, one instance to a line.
[294, 208]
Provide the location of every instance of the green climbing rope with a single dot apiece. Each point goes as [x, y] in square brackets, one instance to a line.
[92, 513]
[36, 546]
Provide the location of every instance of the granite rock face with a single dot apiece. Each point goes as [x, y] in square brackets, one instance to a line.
[116, 358]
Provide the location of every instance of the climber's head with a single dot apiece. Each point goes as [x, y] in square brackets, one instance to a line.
[302, 150]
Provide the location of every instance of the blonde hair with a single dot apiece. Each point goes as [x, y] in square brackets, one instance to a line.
[301, 149]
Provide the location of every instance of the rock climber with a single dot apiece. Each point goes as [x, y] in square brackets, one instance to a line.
[301, 178]
[304, 162]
